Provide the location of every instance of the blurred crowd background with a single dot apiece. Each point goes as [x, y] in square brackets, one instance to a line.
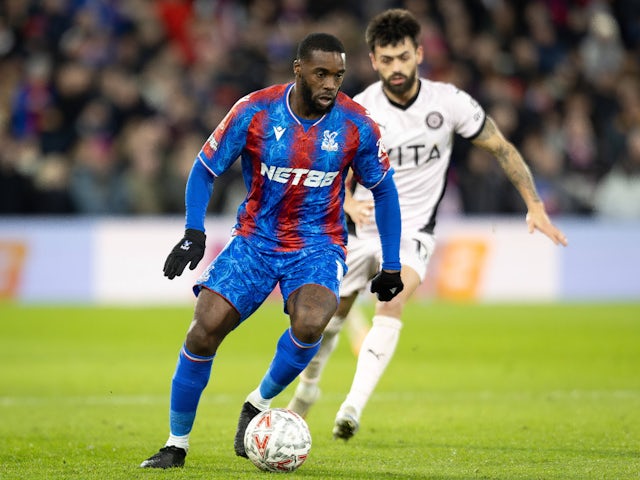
[105, 103]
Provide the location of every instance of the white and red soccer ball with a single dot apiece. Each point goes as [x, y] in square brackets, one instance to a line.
[277, 440]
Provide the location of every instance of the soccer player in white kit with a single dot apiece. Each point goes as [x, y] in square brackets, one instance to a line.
[418, 119]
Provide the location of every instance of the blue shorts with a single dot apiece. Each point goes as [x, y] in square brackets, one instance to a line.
[245, 275]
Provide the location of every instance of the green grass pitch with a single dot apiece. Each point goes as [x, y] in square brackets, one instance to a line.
[474, 392]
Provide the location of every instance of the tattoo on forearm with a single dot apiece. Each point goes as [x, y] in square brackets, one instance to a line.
[516, 170]
[510, 160]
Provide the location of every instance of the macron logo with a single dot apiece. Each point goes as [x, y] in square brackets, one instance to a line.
[186, 245]
[278, 131]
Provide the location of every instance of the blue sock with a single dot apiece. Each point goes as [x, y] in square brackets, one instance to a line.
[191, 376]
[292, 356]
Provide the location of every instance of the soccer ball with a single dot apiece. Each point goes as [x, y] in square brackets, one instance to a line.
[277, 440]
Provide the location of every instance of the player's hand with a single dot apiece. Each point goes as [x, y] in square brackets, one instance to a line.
[386, 285]
[537, 219]
[188, 250]
[360, 212]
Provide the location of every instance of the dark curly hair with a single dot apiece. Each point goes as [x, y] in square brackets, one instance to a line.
[392, 27]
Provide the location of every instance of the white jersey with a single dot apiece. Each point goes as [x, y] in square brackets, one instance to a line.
[419, 140]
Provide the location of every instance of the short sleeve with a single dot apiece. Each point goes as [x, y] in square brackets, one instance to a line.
[226, 142]
[468, 116]
[371, 163]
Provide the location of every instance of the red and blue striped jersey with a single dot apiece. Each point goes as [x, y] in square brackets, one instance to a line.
[295, 170]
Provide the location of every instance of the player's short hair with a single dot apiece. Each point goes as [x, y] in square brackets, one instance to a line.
[392, 27]
[318, 41]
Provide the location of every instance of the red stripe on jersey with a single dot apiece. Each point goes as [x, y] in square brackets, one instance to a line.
[333, 224]
[253, 148]
[291, 209]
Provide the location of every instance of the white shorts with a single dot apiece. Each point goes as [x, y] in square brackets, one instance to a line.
[364, 257]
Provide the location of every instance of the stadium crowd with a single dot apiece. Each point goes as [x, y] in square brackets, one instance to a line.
[104, 103]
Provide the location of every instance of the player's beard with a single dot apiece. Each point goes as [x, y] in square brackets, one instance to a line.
[402, 88]
[307, 97]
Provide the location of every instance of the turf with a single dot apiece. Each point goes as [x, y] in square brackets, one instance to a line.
[474, 391]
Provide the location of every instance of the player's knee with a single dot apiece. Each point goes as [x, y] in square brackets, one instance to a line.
[390, 309]
[308, 330]
[200, 342]
[207, 331]
[308, 324]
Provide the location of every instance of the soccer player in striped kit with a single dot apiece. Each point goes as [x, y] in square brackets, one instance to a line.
[297, 143]
[418, 119]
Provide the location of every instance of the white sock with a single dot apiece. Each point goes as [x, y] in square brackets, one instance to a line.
[376, 352]
[255, 399]
[181, 441]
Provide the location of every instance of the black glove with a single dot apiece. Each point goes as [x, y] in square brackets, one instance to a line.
[386, 285]
[189, 249]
